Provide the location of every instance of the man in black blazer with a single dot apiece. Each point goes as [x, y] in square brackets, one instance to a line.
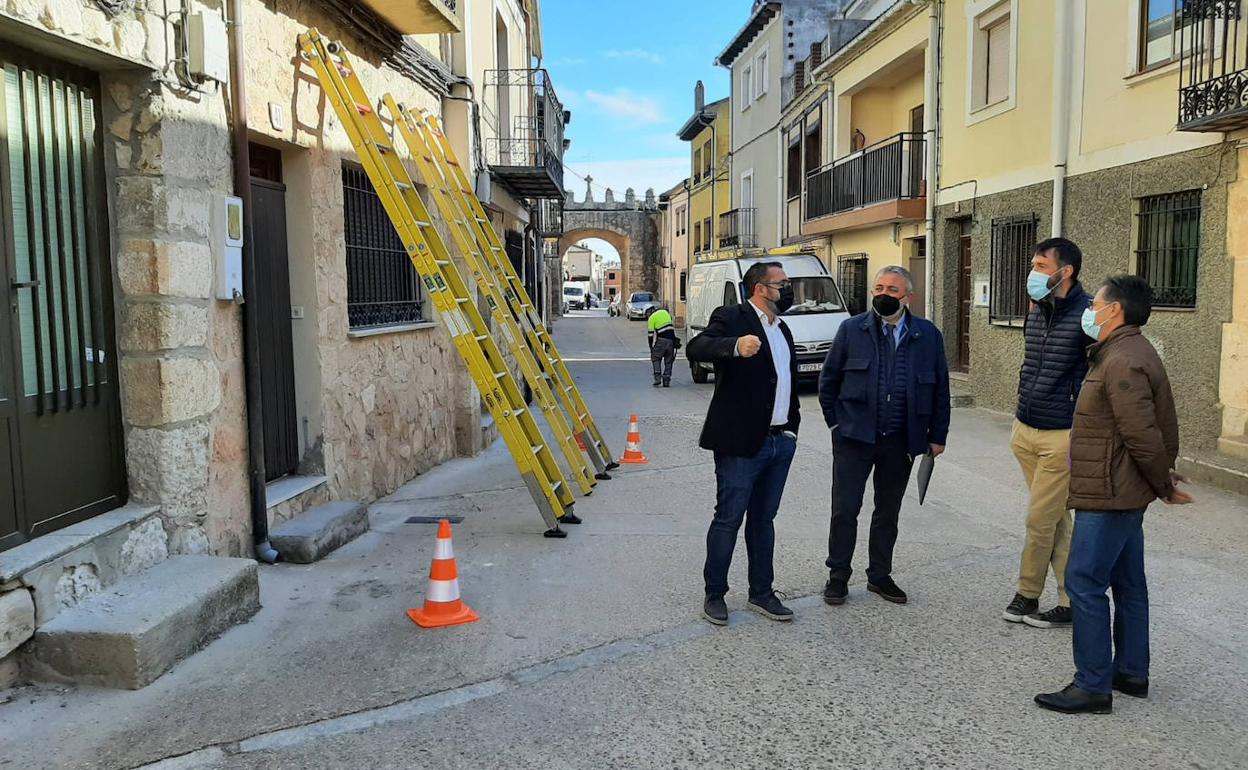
[751, 426]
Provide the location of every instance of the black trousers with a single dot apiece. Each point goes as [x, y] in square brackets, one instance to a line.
[852, 462]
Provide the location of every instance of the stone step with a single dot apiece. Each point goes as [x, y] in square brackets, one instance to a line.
[1216, 469]
[130, 635]
[1235, 446]
[313, 534]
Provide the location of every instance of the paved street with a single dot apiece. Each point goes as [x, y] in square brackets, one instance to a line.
[591, 651]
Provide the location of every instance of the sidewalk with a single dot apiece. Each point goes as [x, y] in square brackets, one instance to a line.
[591, 651]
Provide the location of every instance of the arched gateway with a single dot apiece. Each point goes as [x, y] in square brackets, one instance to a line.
[631, 226]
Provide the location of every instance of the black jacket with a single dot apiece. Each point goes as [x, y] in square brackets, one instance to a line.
[849, 385]
[745, 388]
[1055, 361]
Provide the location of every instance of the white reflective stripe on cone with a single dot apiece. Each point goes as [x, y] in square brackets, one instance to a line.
[442, 550]
[442, 591]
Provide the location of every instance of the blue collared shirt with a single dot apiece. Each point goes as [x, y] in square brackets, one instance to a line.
[899, 330]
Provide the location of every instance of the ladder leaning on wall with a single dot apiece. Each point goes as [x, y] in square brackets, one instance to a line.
[448, 291]
[480, 244]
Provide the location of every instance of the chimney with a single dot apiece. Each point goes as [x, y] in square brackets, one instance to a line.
[816, 56]
[799, 77]
[699, 97]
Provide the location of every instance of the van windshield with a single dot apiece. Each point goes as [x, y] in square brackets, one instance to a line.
[573, 291]
[815, 294]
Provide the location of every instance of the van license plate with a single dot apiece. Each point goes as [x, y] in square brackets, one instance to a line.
[815, 367]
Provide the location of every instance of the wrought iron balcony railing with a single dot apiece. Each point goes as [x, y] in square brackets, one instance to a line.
[1213, 65]
[889, 170]
[549, 216]
[737, 229]
[524, 146]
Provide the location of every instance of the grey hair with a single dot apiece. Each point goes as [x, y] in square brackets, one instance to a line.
[897, 270]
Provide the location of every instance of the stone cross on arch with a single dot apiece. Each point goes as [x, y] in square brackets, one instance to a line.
[589, 190]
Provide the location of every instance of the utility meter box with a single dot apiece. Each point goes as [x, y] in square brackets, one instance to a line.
[227, 244]
[208, 47]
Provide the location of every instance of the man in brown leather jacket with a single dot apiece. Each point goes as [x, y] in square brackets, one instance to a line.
[1123, 448]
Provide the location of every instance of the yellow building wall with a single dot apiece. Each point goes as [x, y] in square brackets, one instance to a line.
[1122, 107]
[864, 96]
[877, 243]
[884, 111]
[1015, 140]
[700, 198]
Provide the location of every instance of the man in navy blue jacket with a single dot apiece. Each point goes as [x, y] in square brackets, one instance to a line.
[885, 396]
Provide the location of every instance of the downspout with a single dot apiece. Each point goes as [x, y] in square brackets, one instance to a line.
[264, 551]
[931, 124]
[715, 183]
[1061, 112]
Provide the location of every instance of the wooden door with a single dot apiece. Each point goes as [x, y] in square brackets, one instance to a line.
[277, 366]
[964, 303]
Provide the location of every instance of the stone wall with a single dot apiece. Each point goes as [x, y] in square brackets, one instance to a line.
[632, 226]
[1100, 217]
[385, 407]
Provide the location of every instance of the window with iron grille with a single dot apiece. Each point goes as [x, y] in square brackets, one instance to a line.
[1013, 239]
[851, 274]
[1167, 246]
[383, 289]
[706, 234]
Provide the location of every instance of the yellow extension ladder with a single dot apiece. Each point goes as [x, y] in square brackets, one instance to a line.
[447, 289]
[479, 243]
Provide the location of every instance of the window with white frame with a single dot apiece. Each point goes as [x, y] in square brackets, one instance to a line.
[747, 87]
[760, 75]
[991, 57]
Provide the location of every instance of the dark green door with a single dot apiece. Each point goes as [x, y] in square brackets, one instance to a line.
[59, 415]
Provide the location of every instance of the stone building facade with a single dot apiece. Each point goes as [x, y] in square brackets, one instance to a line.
[374, 404]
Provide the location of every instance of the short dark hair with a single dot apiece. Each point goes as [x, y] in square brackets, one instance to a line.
[1135, 296]
[1066, 251]
[756, 275]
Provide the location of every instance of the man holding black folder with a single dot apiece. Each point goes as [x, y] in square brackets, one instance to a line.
[885, 396]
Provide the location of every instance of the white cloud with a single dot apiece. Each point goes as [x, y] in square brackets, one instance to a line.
[634, 53]
[623, 104]
[661, 174]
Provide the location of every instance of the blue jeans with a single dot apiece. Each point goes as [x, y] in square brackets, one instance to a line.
[753, 486]
[1107, 551]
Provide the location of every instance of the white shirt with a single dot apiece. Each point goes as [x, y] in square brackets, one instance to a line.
[780, 360]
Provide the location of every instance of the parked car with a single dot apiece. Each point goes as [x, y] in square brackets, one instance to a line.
[817, 312]
[640, 305]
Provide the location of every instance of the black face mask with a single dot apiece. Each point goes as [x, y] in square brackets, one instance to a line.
[785, 301]
[886, 305]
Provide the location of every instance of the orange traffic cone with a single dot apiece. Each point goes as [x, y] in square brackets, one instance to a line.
[442, 604]
[632, 449]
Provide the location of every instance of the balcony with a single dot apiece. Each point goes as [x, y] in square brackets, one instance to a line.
[416, 17]
[1213, 67]
[879, 184]
[737, 229]
[524, 144]
[548, 217]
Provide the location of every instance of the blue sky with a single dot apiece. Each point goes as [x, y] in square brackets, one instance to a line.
[627, 71]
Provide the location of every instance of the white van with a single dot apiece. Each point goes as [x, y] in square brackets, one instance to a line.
[818, 307]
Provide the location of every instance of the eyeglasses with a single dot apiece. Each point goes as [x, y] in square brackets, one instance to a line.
[778, 284]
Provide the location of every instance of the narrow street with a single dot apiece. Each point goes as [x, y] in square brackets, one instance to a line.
[591, 651]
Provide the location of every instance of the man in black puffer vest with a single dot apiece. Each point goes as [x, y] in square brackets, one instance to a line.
[1054, 365]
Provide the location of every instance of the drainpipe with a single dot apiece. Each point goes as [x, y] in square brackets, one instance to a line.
[1061, 112]
[931, 124]
[264, 551]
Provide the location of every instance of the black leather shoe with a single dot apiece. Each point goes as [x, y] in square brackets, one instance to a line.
[1073, 700]
[1135, 686]
[889, 590]
[715, 610]
[835, 591]
[768, 605]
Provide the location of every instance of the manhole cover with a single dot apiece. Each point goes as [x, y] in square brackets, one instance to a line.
[434, 519]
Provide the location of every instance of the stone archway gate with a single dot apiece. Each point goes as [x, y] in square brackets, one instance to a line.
[631, 226]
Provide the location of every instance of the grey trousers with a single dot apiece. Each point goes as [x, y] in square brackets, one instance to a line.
[662, 356]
